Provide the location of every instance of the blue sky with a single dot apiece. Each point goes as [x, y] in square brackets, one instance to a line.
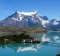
[49, 8]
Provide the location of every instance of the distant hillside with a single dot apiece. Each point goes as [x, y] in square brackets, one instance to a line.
[19, 29]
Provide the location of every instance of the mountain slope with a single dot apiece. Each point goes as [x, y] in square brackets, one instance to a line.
[30, 19]
[24, 19]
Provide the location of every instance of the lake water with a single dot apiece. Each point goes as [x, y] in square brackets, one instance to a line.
[41, 49]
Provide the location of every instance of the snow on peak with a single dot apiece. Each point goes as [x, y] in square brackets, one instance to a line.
[55, 23]
[27, 13]
[20, 15]
[44, 22]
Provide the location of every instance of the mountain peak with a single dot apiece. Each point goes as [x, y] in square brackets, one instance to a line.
[17, 12]
[29, 13]
[45, 18]
[26, 13]
[30, 19]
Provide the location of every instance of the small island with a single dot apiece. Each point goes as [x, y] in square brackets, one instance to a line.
[58, 55]
[18, 38]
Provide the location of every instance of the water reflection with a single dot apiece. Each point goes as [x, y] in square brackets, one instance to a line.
[21, 47]
[32, 47]
[51, 36]
[43, 39]
[37, 48]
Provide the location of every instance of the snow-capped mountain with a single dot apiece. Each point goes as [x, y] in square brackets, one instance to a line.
[29, 19]
[53, 25]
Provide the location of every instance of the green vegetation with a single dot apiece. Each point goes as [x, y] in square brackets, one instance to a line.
[17, 38]
[15, 35]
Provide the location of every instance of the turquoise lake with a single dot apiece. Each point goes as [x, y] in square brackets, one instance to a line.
[30, 49]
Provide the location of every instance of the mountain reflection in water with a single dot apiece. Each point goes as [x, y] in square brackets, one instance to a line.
[50, 37]
[41, 49]
[21, 47]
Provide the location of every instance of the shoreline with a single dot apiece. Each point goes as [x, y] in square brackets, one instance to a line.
[18, 38]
